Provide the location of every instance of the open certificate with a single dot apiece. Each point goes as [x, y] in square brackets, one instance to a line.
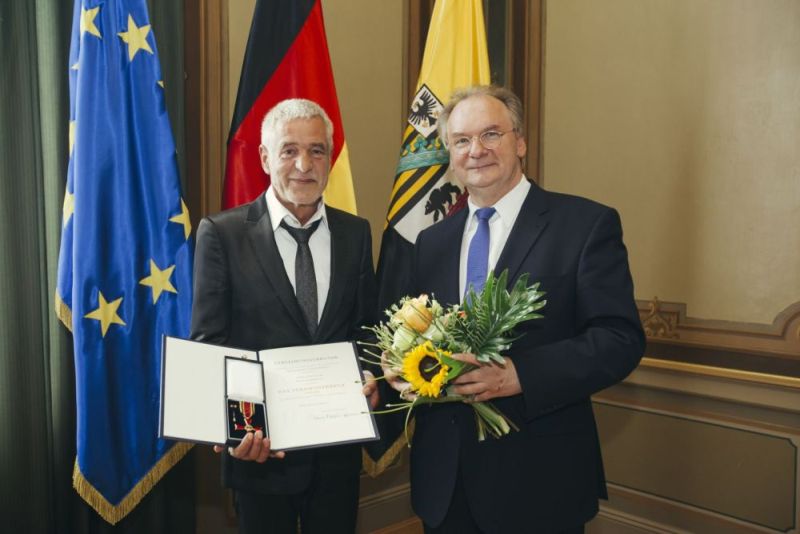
[307, 396]
[314, 396]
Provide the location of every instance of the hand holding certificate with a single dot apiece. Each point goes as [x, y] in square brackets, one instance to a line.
[308, 396]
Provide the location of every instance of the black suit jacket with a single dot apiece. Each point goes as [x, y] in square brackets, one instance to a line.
[243, 298]
[549, 475]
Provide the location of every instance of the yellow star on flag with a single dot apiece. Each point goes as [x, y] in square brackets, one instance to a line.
[136, 38]
[106, 313]
[159, 280]
[87, 21]
[183, 219]
[160, 83]
[69, 206]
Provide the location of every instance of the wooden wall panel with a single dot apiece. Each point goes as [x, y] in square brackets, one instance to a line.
[688, 449]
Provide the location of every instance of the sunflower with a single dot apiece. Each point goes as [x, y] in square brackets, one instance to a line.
[424, 370]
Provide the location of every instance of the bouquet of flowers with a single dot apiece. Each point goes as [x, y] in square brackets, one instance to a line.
[420, 336]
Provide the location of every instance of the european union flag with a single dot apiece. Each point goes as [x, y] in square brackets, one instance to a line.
[125, 264]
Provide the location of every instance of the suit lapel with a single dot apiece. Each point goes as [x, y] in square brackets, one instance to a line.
[530, 223]
[341, 249]
[262, 239]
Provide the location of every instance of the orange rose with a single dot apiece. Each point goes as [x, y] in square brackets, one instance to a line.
[415, 314]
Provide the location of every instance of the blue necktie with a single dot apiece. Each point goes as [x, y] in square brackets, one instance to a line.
[478, 255]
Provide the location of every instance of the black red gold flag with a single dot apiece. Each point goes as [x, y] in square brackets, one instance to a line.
[286, 57]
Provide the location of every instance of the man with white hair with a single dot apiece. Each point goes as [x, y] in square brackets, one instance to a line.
[287, 270]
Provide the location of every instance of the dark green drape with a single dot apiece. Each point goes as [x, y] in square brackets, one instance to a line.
[37, 398]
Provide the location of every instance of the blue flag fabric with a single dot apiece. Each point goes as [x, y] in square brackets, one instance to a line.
[125, 264]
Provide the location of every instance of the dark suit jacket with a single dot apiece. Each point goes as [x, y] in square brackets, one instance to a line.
[549, 475]
[243, 298]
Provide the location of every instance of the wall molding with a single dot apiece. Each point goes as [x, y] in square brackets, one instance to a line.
[722, 372]
[769, 349]
[682, 381]
[650, 513]
[618, 520]
[382, 497]
[764, 411]
[668, 320]
[387, 509]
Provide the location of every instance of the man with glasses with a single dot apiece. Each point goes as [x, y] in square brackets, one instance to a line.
[548, 476]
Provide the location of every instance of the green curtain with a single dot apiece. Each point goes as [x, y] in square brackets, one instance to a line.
[37, 397]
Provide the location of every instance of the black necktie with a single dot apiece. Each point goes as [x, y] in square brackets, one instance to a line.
[305, 282]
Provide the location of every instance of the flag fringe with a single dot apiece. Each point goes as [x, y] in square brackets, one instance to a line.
[375, 467]
[63, 312]
[115, 513]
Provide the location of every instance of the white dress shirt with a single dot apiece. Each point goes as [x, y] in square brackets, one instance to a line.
[506, 211]
[319, 244]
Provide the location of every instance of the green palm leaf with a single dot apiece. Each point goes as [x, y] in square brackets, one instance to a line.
[485, 328]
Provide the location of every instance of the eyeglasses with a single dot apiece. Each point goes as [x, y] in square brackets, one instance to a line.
[490, 139]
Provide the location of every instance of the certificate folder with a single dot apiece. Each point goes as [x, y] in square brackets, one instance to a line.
[311, 395]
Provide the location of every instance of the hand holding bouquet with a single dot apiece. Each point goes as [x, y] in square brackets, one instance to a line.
[418, 341]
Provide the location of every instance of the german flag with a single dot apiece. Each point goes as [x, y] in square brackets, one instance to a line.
[286, 57]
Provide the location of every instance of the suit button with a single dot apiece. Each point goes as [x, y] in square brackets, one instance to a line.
[453, 420]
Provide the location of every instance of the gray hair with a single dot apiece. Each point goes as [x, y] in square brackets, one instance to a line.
[288, 110]
[509, 100]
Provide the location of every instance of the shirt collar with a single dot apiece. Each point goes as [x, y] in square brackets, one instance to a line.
[278, 212]
[509, 206]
